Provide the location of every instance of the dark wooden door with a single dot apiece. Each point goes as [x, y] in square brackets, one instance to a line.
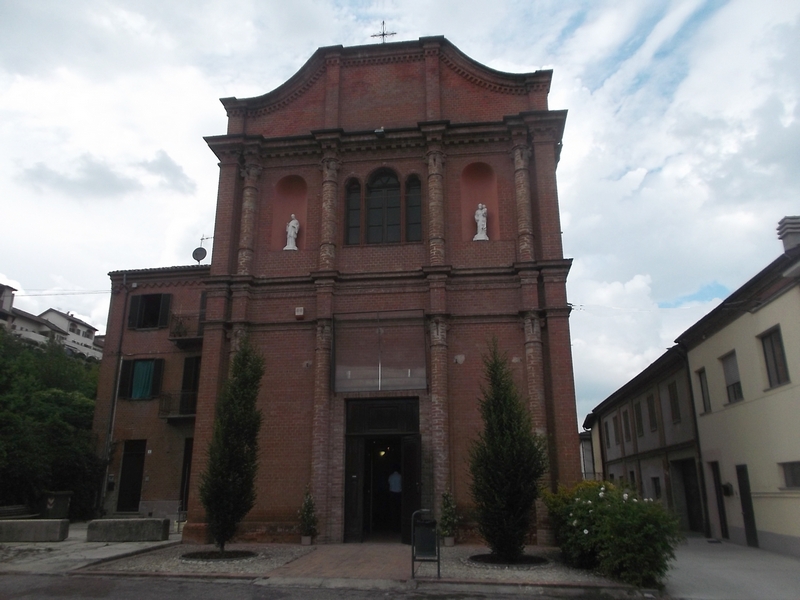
[354, 490]
[130, 478]
[723, 518]
[412, 485]
[186, 472]
[748, 513]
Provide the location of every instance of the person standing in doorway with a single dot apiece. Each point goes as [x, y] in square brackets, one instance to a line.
[395, 497]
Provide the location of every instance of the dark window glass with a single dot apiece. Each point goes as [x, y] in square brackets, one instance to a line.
[674, 404]
[656, 487]
[791, 472]
[703, 380]
[413, 210]
[383, 208]
[651, 413]
[608, 438]
[733, 383]
[353, 210]
[616, 430]
[777, 370]
[637, 415]
[626, 426]
[149, 311]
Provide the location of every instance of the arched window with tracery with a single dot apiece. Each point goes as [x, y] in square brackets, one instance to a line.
[388, 212]
[353, 208]
[383, 208]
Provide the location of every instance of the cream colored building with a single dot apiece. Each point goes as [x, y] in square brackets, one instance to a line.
[744, 359]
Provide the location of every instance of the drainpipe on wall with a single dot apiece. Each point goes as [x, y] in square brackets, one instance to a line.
[113, 414]
[684, 352]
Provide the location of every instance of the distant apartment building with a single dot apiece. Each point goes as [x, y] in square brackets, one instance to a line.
[77, 336]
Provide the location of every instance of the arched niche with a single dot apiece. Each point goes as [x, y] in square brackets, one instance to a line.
[290, 198]
[479, 186]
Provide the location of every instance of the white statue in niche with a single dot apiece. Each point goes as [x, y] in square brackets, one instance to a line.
[292, 228]
[480, 221]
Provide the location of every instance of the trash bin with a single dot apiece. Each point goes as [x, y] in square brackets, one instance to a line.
[424, 541]
[55, 505]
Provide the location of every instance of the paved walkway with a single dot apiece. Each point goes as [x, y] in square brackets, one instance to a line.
[726, 571]
[702, 570]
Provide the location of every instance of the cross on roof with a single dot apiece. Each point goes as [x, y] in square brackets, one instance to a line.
[383, 34]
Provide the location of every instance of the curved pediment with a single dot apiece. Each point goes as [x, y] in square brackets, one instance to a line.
[391, 85]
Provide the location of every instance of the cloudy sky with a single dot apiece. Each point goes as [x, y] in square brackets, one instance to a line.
[681, 153]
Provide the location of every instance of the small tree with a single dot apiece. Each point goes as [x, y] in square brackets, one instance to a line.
[308, 515]
[227, 488]
[506, 462]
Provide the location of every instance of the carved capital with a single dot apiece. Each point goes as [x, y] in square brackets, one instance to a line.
[533, 327]
[250, 173]
[435, 159]
[522, 156]
[330, 168]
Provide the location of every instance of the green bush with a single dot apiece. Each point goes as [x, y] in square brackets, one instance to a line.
[308, 515]
[448, 521]
[611, 530]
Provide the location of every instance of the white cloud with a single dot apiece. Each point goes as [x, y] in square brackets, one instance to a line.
[680, 153]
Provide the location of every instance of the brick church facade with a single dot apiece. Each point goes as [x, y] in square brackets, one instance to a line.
[381, 216]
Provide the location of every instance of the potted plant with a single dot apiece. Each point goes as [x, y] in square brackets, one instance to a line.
[308, 518]
[448, 522]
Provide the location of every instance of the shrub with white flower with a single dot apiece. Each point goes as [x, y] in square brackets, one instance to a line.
[629, 541]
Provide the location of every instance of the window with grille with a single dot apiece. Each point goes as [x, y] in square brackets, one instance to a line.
[733, 383]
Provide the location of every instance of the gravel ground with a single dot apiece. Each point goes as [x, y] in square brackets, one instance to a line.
[455, 564]
[170, 560]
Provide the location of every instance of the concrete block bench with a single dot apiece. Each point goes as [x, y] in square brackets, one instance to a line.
[34, 530]
[127, 530]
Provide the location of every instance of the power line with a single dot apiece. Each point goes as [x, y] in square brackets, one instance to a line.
[63, 293]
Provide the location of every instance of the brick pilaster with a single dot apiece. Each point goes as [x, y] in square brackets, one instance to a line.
[250, 173]
[439, 419]
[436, 218]
[330, 191]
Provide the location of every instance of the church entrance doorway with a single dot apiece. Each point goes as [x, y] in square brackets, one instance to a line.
[382, 470]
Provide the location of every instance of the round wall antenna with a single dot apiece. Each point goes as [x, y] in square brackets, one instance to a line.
[199, 254]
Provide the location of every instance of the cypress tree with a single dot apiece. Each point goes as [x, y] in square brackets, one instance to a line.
[227, 488]
[506, 462]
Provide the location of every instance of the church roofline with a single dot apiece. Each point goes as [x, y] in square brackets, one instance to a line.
[466, 66]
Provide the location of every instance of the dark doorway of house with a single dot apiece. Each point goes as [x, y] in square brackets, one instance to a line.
[382, 505]
[382, 439]
[130, 478]
[691, 503]
[748, 513]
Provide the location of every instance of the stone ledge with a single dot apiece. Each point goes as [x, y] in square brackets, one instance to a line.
[127, 530]
[34, 530]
